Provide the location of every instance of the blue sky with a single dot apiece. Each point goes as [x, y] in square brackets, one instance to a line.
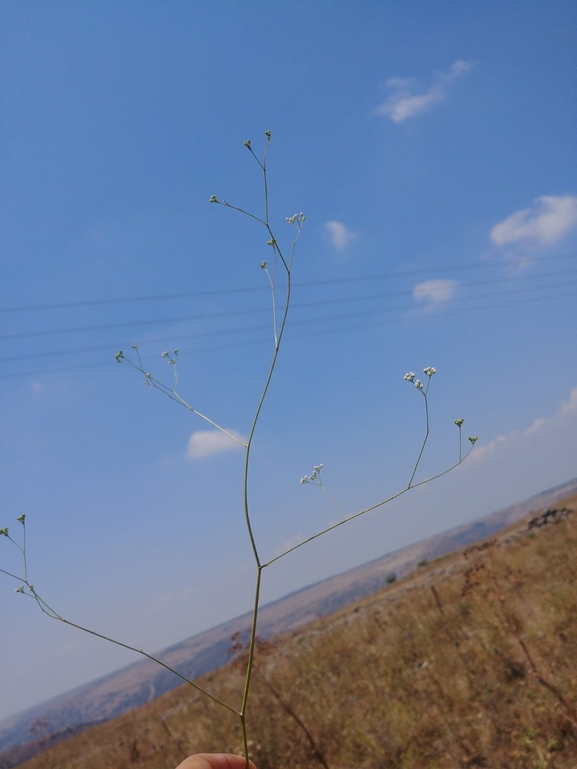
[432, 151]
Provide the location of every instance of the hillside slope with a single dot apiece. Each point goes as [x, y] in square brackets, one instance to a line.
[142, 681]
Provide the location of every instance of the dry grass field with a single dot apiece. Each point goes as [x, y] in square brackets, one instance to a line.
[469, 662]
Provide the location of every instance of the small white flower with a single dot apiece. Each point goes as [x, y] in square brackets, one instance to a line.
[318, 468]
[429, 371]
[473, 439]
[19, 589]
[304, 479]
[410, 377]
[459, 422]
[418, 384]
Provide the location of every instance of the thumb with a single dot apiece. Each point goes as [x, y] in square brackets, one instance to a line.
[214, 761]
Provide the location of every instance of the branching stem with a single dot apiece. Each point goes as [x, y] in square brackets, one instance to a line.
[172, 392]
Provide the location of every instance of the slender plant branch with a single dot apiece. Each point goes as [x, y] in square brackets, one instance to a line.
[533, 667]
[333, 500]
[272, 288]
[172, 393]
[366, 510]
[427, 433]
[53, 614]
[9, 574]
[285, 705]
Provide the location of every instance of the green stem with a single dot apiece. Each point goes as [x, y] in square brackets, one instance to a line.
[424, 442]
[366, 510]
[251, 646]
[50, 612]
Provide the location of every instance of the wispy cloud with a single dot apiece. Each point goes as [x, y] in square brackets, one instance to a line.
[403, 103]
[292, 542]
[340, 235]
[435, 293]
[544, 224]
[515, 438]
[37, 387]
[205, 443]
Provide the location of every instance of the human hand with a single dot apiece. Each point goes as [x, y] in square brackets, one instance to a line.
[214, 761]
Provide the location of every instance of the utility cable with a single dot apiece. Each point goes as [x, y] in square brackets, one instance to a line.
[441, 313]
[248, 289]
[253, 310]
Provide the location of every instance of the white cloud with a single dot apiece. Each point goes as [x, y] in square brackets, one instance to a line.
[516, 438]
[204, 443]
[435, 292]
[550, 218]
[569, 408]
[403, 104]
[339, 234]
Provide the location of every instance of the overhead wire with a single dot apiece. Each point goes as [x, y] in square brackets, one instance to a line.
[256, 310]
[260, 327]
[478, 265]
[442, 312]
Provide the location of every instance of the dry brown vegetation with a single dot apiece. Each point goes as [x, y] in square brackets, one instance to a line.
[469, 662]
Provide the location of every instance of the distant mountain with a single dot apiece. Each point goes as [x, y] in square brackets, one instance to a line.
[143, 681]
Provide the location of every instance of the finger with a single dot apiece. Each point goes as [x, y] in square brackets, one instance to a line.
[214, 761]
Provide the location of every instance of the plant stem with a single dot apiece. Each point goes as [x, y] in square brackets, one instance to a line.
[50, 612]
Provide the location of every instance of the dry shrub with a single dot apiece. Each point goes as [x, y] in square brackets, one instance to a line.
[430, 672]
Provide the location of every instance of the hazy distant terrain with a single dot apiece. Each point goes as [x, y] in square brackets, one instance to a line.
[143, 681]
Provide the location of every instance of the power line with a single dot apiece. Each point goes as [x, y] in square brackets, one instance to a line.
[249, 289]
[259, 327]
[253, 310]
[441, 314]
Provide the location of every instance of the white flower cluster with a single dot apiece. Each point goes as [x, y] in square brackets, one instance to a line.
[171, 359]
[410, 377]
[297, 219]
[314, 476]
